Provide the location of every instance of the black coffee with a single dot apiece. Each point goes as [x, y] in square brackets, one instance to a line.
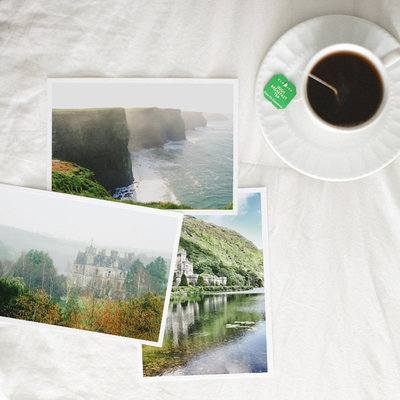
[358, 84]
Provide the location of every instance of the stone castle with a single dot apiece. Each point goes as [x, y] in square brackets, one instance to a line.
[102, 274]
[184, 266]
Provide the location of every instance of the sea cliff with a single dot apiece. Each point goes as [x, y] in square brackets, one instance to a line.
[153, 127]
[74, 179]
[193, 119]
[96, 139]
[211, 117]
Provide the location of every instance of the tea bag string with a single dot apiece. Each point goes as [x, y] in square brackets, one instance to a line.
[324, 83]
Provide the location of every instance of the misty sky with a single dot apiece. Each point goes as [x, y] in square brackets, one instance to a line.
[248, 221]
[80, 219]
[193, 96]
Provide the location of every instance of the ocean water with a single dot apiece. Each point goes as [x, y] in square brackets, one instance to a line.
[197, 171]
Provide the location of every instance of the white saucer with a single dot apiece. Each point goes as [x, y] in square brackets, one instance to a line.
[294, 136]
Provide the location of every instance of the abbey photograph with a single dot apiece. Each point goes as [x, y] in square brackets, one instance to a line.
[218, 319]
[161, 143]
[86, 264]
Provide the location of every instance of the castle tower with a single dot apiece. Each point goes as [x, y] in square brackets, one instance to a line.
[105, 275]
[181, 257]
[184, 266]
[114, 254]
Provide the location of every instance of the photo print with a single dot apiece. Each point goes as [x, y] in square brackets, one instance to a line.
[218, 320]
[84, 263]
[161, 143]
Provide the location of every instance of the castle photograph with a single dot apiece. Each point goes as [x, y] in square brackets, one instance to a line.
[104, 274]
[185, 267]
[81, 263]
[104, 291]
[218, 315]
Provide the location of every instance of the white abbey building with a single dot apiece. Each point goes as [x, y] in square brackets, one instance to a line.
[183, 266]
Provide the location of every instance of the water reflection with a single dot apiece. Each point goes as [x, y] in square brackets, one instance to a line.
[246, 354]
[212, 334]
[187, 317]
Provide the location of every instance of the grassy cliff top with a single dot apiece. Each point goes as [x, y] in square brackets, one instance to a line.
[73, 179]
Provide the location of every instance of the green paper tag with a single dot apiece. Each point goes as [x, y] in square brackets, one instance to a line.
[279, 91]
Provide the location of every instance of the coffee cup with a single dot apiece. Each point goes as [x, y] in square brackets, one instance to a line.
[345, 86]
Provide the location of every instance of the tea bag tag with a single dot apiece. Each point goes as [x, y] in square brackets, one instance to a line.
[279, 91]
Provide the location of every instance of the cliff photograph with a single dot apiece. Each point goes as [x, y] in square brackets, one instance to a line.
[165, 143]
[218, 320]
[60, 266]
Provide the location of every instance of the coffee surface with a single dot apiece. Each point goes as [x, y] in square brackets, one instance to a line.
[358, 84]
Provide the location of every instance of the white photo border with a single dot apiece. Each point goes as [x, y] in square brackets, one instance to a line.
[227, 81]
[108, 204]
[267, 286]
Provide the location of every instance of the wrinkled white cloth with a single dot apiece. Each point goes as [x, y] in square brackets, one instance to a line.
[334, 247]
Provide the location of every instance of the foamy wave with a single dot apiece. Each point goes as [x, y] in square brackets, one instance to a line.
[197, 170]
[125, 192]
[174, 144]
[149, 186]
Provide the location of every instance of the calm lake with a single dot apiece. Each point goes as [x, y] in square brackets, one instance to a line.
[212, 334]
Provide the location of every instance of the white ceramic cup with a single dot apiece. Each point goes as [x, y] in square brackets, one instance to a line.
[381, 65]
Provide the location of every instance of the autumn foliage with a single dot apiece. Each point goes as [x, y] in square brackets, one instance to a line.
[138, 317]
[36, 306]
[31, 289]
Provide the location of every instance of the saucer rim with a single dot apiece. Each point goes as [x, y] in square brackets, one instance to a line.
[260, 115]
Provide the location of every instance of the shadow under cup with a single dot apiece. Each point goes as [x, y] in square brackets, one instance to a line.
[354, 90]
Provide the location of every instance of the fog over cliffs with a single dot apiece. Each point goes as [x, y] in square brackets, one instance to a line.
[210, 117]
[96, 139]
[153, 127]
[193, 119]
[101, 139]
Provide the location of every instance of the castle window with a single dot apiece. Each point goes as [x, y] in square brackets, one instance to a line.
[97, 271]
[109, 273]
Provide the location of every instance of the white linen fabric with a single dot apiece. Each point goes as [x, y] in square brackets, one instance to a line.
[334, 247]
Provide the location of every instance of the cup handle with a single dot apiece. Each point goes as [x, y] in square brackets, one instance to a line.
[391, 58]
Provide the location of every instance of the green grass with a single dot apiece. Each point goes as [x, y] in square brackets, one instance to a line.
[80, 181]
[71, 178]
[228, 207]
[177, 291]
[166, 206]
[220, 251]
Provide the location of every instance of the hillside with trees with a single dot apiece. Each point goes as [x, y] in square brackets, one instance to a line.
[152, 277]
[33, 290]
[216, 250]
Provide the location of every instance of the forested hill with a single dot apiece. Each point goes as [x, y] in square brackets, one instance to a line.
[221, 251]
